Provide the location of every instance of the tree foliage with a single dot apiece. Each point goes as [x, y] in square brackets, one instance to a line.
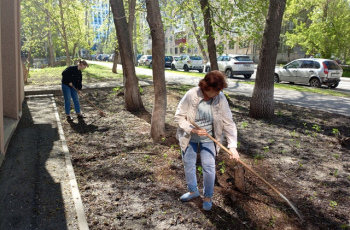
[68, 26]
[321, 26]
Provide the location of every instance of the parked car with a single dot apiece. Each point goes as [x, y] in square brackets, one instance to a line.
[173, 64]
[98, 57]
[111, 58]
[234, 65]
[312, 71]
[104, 57]
[145, 60]
[188, 62]
[168, 61]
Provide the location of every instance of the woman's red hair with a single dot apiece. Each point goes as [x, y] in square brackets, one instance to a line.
[214, 80]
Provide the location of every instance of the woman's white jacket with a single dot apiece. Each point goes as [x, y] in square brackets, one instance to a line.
[223, 124]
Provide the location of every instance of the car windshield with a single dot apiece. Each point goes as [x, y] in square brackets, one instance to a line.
[195, 58]
[149, 57]
[243, 58]
[168, 58]
[331, 65]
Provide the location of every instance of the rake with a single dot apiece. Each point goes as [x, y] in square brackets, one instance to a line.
[256, 174]
[102, 114]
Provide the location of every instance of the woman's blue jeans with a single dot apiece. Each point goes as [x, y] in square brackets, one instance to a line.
[207, 154]
[68, 94]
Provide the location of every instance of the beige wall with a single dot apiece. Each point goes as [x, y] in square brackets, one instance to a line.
[11, 80]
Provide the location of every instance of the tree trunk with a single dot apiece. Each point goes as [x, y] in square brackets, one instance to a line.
[262, 102]
[132, 6]
[158, 62]
[49, 39]
[198, 38]
[132, 96]
[74, 49]
[210, 34]
[115, 61]
[64, 35]
[25, 72]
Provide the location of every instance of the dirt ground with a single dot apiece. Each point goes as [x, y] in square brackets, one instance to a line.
[129, 182]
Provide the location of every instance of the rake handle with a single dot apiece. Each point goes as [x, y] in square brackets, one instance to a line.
[245, 165]
[88, 100]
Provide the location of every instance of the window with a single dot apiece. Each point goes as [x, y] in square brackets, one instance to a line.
[176, 50]
[294, 64]
[195, 58]
[231, 45]
[243, 58]
[307, 64]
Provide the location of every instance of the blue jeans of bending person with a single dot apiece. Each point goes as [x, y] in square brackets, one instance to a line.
[68, 94]
[207, 154]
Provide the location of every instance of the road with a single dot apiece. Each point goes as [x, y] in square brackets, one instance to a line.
[338, 105]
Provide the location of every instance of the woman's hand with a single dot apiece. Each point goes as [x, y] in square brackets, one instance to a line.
[234, 154]
[199, 132]
[79, 92]
[70, 84]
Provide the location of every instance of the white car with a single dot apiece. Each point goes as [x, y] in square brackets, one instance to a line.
[145, 60]
[234, 65]
[312, 71]
[188, 62]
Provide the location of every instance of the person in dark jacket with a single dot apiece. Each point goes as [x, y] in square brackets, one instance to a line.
[72, 77]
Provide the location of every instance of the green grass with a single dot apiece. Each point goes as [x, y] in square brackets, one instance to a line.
[53, 75]
[308, 89]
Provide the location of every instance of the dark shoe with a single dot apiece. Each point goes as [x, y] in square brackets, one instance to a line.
[81, 116]
[69, 118]
[188, 196]
[207, 205]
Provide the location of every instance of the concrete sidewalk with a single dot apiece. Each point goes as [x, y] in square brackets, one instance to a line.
[38, 189]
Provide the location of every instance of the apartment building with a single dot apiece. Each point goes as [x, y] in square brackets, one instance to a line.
[11, 78]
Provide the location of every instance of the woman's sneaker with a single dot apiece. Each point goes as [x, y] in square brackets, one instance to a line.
[69, 118]
[81, 116]
[207, 205]
[188, 196]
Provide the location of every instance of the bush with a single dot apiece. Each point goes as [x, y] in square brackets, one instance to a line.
[346, 70]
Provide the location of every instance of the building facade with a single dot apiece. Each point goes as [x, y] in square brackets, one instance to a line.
[180, 40]
[11, 77]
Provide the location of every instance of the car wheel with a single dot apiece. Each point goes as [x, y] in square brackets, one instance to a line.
[335, 85]
[173, 67]
[247, 76]
[276, 79]
[200, 70]
[314, 82]
[207, 69]
[186, 68]
[228, 73]
[150, 65]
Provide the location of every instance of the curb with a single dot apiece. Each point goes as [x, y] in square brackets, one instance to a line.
[82, 222]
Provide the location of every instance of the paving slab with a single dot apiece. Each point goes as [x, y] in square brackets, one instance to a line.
[36, 186]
